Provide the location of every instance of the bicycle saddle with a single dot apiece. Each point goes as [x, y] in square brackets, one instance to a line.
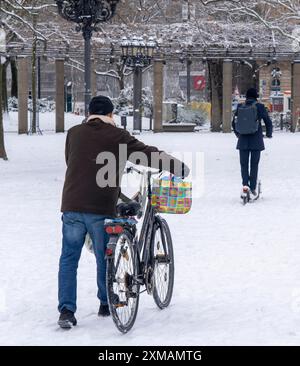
[131, 208]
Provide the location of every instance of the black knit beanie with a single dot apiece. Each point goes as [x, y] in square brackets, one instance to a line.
[252, 93]
[101, 105]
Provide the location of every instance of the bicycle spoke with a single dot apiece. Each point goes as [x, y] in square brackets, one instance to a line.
[123, 305]
[163, 266]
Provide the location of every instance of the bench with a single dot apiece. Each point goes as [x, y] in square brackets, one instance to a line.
[179, 127]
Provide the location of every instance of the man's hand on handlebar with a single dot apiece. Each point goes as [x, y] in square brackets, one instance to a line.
[185, 171]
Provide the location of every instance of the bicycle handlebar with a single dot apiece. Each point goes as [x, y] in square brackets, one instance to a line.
[138, 171]
[150, 173]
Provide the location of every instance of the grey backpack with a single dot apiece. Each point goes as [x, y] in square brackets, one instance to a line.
[247, 119]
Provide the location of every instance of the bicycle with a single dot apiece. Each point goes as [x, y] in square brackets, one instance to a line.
[136, 259]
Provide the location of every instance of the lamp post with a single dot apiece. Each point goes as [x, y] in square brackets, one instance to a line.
[186, 56]
[188, 79]
[87, 14]
[137, 54]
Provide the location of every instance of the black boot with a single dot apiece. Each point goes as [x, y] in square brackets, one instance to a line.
[104, 310]
[66, 319]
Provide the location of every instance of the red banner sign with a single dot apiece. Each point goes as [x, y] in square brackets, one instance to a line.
[199, 82]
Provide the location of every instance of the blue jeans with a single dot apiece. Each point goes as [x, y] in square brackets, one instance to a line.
[75, 227]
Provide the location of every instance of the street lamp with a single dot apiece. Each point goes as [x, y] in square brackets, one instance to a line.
[87, 14]
[137, 54]
[184, 55]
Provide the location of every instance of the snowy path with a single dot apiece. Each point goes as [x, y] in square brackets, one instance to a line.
[237, 268]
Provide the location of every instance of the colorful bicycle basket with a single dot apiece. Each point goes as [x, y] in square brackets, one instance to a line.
[171, 195]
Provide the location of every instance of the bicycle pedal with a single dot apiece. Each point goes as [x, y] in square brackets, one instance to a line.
[120, 305]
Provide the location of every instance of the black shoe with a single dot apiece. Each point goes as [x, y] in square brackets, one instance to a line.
[66, 319]
[253, 194]
[104, 310]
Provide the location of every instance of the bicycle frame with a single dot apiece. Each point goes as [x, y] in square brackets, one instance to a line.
[143, 241]
[146, 231]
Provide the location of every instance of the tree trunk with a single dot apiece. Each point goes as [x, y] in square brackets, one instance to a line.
[33, 89]
[120, 71]
[215, 69]
[2, 146]
[34, 77]
[121, 83]
[14, 78]
[4, 87]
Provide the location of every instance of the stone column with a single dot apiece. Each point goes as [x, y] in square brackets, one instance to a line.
[295, 94]
[158, 87]
[215, 73]
[23, 88]
[94, 79]
[60, 95]
[227, 95]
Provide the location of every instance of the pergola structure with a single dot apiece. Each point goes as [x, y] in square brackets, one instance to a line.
[175, 41]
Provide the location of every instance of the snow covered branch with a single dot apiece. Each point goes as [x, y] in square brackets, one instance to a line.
[110, 73]
[23, 21]
[279, 16]
[29, 8]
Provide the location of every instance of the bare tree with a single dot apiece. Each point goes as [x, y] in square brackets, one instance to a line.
[279, 16]
[3, 154]
[19, 15]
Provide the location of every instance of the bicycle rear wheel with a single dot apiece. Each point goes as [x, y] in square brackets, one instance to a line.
[122, 286]
[163, 263]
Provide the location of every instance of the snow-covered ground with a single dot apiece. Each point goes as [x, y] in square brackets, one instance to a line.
[237, 268]
[47, 121]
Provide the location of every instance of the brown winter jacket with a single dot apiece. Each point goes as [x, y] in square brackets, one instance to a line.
[81, 193]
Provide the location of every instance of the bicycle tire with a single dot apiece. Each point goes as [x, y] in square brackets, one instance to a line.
[113, 284]
[161, 297]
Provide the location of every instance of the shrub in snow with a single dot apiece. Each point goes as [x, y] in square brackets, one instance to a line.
[43, 105]
[46, 105]
[124, 103]
[12, 104]
[147, 101]
[186, 114]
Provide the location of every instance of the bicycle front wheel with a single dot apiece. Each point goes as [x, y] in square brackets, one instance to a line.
[163, 263]
[122, 286]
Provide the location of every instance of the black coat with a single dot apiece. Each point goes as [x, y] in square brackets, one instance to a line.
[254, 141]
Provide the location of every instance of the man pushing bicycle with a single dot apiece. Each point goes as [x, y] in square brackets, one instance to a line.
[96, 154]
